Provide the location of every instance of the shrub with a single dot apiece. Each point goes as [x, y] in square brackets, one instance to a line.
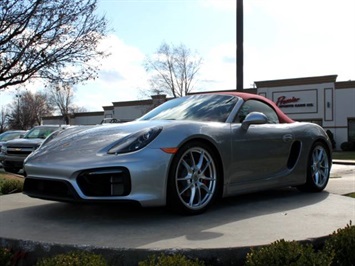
[347, 146]
[11, 186]
[76, 258]
[283, 252]
[5, 257]
[342, 243]
[170, 260]
[331, 138]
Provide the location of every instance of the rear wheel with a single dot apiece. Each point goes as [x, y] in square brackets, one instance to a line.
[194, 179]
[318, 168]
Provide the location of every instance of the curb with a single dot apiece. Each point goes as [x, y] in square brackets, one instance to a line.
[344, 162]
[32, 251]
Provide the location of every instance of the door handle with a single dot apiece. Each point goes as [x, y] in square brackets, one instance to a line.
[287, 137]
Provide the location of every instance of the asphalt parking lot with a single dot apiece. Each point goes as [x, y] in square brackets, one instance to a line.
[128, 234]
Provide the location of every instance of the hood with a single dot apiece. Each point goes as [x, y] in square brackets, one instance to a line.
[24, 142]
[95, 138]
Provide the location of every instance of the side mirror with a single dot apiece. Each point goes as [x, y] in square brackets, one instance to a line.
[254, 118]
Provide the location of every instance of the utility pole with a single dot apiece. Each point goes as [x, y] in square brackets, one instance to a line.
[240, 50]
[18, 96]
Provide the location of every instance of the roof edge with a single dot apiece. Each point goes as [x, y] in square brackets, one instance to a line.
[345, 84]
[296, 81]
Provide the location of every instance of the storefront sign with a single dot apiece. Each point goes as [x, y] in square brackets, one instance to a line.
[296, 101]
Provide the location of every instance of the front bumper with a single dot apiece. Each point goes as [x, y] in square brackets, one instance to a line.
[12, 161]
[140, 177]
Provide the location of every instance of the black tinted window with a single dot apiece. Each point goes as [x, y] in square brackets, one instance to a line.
[256, 106]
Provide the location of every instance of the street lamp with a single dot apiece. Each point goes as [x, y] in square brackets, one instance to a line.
[18, 96]
[240, 49]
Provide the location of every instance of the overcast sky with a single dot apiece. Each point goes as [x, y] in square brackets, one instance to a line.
[282, 39]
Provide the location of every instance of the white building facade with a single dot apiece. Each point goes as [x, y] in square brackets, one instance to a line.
[319, 99]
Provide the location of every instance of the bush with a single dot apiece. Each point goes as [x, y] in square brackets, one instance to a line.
[11, 186]
[331, 138]
[284, 252]
[76, 258]
[5, 257]
[342, 243]
[347, 146]
[170, 260]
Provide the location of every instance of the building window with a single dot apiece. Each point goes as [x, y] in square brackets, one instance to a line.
[351, 129]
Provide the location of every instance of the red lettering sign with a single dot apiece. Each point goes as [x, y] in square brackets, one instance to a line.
[283, 100]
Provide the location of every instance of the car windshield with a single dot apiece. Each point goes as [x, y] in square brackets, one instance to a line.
[9, 136]
[205, 107]
[40, 132]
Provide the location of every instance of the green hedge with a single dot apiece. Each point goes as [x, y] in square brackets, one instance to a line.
[76, 258]
[8, 186]
[284, 252]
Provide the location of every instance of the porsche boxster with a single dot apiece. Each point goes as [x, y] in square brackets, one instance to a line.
[184, 154]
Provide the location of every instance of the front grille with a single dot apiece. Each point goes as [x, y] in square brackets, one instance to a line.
[19, 150]
[49, 189]
[105, 182]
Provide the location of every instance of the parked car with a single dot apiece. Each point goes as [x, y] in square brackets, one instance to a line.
[9, 135]
[14, 152]
[185, 154]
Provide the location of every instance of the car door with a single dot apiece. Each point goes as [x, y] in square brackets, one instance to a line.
[260, 152]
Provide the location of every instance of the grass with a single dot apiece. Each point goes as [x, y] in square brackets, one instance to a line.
[4, 176]
[10, 182]
[351, 195]
[344, 155]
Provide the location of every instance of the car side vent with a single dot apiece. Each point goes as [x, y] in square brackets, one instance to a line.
[294, 154]
[105, 182]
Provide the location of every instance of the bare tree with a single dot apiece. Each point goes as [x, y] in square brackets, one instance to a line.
[53, 40]
[3, 116]
[27, 110]
[62, 96]
[77, 109]
[173, 69]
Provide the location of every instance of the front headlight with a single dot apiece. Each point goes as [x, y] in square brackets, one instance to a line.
[135, 141]
[3, 148]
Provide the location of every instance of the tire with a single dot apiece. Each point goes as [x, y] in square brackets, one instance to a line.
[13, 170]
[318, 169]
[194, 180]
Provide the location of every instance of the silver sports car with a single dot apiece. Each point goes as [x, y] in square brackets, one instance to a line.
[185, 154]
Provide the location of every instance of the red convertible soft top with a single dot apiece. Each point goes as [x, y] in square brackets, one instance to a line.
[283, 118]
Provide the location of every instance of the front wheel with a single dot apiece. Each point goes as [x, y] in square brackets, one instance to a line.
[318, 169]
[194, 179]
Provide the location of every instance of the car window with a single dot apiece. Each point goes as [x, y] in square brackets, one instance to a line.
[40, 133]
[256, 106]
[205, 107]
[9, 136]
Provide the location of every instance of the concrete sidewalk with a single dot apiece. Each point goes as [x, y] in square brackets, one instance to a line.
[222, 236]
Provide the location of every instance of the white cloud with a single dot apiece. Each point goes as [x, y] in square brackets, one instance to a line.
[121, 77]
[289, 39]
[219, 69]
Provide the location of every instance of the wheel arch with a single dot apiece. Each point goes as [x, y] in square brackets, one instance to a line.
[327, 146]
[211, 144]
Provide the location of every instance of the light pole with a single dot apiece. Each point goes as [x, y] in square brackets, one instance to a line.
[18, 96]
[240, 50]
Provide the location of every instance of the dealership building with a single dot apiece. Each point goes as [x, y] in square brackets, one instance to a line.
[320, 99]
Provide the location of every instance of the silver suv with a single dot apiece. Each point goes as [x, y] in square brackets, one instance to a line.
[14, 152]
